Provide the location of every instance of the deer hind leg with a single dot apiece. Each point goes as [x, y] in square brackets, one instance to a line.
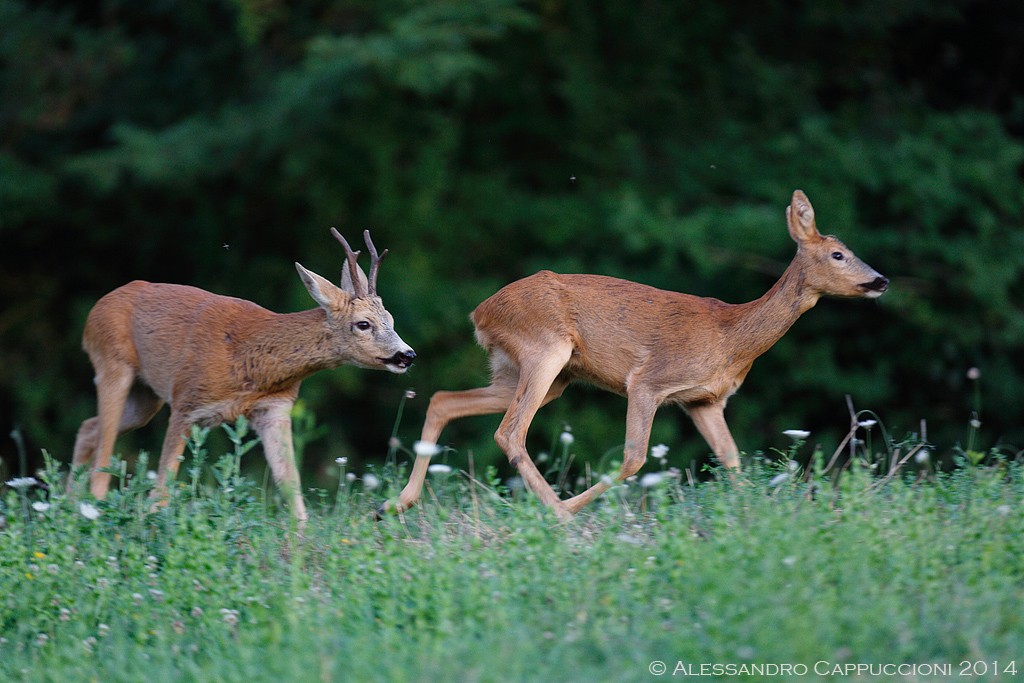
[446, 406]
[170, 454]
[95, 440]
[639, 419]
[710, 421]
[538, 378]
[139, 408]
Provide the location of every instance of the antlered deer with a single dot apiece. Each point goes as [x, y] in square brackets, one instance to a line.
[650, 345]
[214, 358]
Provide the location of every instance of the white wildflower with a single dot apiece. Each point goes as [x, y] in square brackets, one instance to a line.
[566, 438]
[651, 479]
[89, 511]
[973, 373]
[40, 506]
[778, 479]
[410, 394]
[867, 424]
[439, 469]
[607, 480]
[659, 452]
[22, 482]
[341, 461]
[975, 424]
[922, 456]
[425, 449]
[797, 434]
[151, 475]
[351, 476]
[370, 481]
[789, 561]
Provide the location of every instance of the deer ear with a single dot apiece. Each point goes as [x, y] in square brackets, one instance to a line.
[800, 218]
[346, 281]
[320, 288]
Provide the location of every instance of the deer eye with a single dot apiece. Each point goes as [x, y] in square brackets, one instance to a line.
[363, 325]
[838, 255]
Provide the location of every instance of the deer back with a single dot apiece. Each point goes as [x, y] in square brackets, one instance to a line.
[619, 330]
[177, 338]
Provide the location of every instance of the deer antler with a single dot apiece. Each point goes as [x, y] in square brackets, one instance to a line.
[375, 260]
[353, 266]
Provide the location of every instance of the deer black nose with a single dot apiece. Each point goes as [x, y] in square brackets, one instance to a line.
[880, 283]
[404, 358]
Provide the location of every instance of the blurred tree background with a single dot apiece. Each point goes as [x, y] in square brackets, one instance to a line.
[214, 142]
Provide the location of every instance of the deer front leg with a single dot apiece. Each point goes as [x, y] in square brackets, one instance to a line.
[710, 421]
[273, 423]
[639, 419]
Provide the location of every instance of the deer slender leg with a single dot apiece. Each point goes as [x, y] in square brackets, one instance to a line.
[112, 387]
[535, 382]
[174, 445]
[140, 407]
[639, 419]
[274, 425]
[446, 406]
[710, 421]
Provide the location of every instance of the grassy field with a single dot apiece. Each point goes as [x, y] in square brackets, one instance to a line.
[819, 579]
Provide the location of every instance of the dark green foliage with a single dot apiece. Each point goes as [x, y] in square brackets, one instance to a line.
[214, 144]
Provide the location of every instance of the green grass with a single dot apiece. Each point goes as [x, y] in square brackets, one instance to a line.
[473, 586]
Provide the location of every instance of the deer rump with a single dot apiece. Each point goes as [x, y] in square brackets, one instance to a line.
[162, 320]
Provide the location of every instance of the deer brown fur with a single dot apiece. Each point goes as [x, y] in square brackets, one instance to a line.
[650, 345]
[214, 358]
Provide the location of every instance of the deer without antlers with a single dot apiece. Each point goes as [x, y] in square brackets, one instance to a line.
[214, 358]
[650, 345]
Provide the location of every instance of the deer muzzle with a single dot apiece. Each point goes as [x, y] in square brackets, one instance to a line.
[876, 287]
[400, 361]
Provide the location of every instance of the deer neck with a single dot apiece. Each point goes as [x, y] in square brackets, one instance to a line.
[286, 348]
[757, 325]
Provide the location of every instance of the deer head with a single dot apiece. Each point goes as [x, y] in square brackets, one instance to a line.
[360, 329]
[827, 264]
